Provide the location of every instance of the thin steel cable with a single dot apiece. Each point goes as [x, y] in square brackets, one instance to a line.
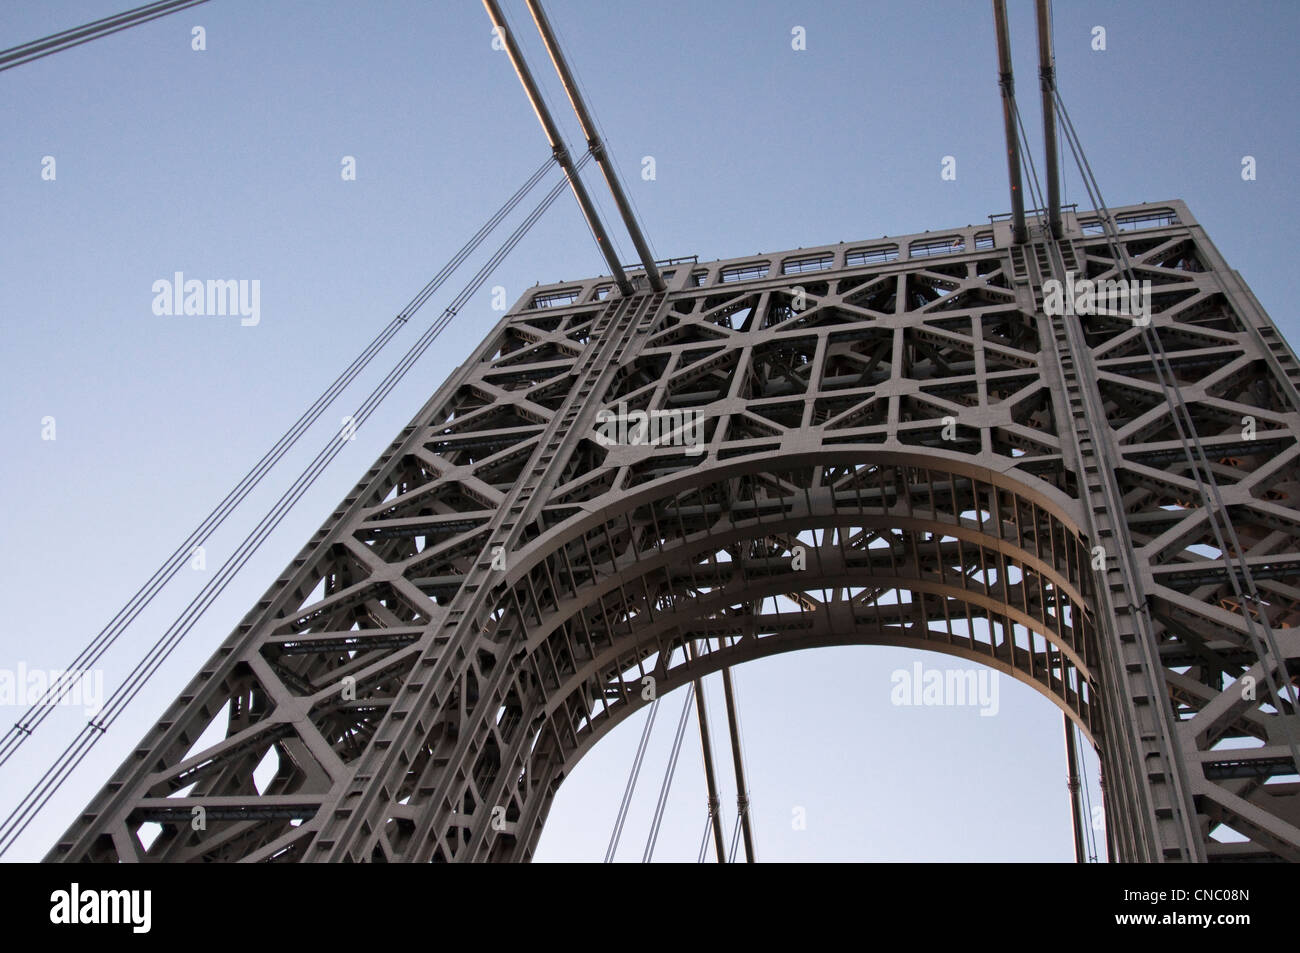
[334, 447]
[36, 49]
[604, 136]
[704, 841]
[1027, 156]
[744, 754]
[99, 645]
[1155, 350]
[57, 774]
[1207, 487]
[653, 837]
[1040, 200]
[510, 30]
[1089, 835]
[630, 787]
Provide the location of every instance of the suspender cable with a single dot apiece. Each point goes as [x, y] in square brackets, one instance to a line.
[1239, 575]
[630, 787]
[1007, 83]
[710, 778]
[1036, 189]
[595, 145]
[558, 147]
[54, 777]
[95, 649]
[735, 839]
[1153, 687]
[1072, 782]
[334, 447]
[742, 792]
[1089, 837]
[715, 804]
[704, 839]
[1207, 488]
[653, 837]
[27, 52]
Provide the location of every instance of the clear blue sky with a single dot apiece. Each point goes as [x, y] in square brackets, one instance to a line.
[226, 163]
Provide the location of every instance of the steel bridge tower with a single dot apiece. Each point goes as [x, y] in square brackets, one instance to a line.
[965, 472]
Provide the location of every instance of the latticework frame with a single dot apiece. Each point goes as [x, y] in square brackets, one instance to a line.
[898, 447]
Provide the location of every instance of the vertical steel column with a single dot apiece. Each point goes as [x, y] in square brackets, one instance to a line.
[595, 144]
[1047, 82]
[558, 147]
[1007, 83]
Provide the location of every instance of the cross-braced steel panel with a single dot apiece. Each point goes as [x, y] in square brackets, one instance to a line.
[889, 443]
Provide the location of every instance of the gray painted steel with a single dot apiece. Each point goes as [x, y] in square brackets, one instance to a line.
[1007, 86]
[1016, 475]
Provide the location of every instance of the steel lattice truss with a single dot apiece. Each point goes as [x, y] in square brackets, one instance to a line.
[946, 461]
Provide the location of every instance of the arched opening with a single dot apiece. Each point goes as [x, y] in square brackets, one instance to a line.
[755, 557]
[841, 768]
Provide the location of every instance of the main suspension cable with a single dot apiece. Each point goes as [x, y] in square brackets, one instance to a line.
[71, 674]
[54, 777]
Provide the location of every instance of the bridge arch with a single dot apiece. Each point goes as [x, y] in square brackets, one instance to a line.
[702, 569]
